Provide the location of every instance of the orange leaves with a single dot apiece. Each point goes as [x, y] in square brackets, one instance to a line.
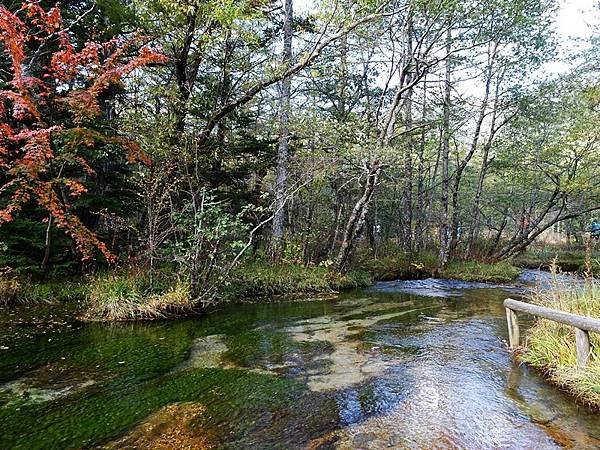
[75, 188]
[42, 118]
[49, 21]
[12, 35]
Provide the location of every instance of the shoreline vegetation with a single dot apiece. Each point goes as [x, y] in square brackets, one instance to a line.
[550, 346]
[135, 295]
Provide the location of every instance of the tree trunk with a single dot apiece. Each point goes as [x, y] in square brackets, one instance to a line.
[407, 198]
[445, 225]
[356, 221]
[473, 148]
[284, 136]
[47, 247]
[420, 213]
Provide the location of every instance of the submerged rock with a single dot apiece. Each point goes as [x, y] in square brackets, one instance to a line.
[171, 427]
[205, 353]
[26, 390]
[349, 363]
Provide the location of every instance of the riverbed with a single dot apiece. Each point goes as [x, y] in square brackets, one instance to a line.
[406, 364]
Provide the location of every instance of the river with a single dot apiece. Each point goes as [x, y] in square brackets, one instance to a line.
[407, 364]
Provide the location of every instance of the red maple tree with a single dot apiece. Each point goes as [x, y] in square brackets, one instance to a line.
[37, 110]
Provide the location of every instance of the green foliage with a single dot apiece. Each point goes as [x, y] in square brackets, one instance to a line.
[550, 346]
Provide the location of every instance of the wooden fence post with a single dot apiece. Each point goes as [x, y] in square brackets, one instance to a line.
[513, 328]
[582, 344]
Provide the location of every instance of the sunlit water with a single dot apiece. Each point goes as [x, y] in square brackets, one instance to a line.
[417, 364]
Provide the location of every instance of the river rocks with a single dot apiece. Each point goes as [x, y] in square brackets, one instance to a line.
[171, 427]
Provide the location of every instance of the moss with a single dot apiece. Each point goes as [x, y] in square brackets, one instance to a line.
[249, 348]
[235, 396]
[550, 346]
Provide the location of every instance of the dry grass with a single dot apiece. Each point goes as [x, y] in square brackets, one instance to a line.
[10, 288]
[130, 296]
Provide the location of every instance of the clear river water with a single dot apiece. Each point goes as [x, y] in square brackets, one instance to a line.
[406, 364]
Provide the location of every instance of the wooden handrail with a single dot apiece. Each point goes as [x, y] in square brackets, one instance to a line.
[583, 325]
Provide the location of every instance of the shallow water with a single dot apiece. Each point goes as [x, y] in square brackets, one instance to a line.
[401, 365]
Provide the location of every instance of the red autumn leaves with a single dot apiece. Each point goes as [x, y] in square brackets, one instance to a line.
[59, 100]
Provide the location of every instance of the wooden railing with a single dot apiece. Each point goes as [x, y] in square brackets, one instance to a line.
[583, 325]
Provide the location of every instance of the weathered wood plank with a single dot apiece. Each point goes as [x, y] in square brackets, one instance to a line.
[513, 328]
[582, 344]
[581, 322]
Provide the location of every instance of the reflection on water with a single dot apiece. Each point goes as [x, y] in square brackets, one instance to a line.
[402, 365]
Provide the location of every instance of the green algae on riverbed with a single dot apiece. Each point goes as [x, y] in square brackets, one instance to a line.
[287, 375]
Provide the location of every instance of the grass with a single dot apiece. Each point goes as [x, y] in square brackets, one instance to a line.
[133, 296]
[501, 272]
[130, 295]
[423, 265]
[401, 266]
[264, 278]
[550, 346]
[19, 291]
[566, 260]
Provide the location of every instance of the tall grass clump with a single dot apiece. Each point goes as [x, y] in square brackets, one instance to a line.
[10, 288]
[135, 296]
[19, 290]
[550, 346]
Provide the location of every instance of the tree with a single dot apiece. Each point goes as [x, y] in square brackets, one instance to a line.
[284, 134]
[49, 103]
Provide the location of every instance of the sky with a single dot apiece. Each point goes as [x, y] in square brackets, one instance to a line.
[575, 22]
